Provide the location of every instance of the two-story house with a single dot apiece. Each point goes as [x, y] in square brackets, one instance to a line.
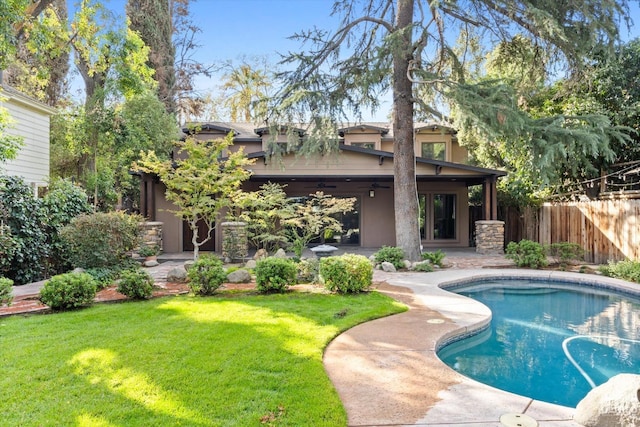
[31, 121]
[363, 169]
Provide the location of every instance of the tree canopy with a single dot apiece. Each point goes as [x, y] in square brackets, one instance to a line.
[413, 47]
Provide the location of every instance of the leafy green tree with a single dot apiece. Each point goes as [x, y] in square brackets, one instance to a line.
[404, 44]
[200, 182]
[315, 216]
[265, 211]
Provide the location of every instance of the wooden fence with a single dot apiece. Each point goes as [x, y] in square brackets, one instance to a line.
[605, 229]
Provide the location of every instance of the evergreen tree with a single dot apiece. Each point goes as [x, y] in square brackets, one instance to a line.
[153, 21]
[403, 44]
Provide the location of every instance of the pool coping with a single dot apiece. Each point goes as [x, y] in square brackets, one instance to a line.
[377, 352]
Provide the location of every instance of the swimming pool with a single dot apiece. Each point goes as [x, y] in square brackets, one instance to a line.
[551, 341]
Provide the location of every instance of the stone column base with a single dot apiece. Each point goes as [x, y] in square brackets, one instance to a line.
[490, 237]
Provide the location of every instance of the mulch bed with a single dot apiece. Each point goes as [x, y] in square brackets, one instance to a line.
[31, 304]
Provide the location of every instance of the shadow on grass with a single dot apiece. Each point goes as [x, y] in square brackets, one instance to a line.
[182, 360]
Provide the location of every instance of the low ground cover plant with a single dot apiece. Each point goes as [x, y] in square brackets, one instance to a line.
[391, 254]
[527, 253]
[564, 252]
[196, 361]
[347, 273]
[625, 270]
[68, 291]
[136, 284]
[435, 258]
[206, 275]
[275, 274]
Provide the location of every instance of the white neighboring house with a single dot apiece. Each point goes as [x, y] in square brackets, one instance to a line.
[31, 121]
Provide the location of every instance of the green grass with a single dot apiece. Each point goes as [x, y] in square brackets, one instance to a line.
[219, 361]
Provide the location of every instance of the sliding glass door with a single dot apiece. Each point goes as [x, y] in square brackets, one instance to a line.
[438, 216]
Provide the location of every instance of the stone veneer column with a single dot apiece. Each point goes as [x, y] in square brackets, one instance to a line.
[152, 234]
[490, 237]
[235, 244]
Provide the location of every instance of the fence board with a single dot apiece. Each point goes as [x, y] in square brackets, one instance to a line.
[606, 229]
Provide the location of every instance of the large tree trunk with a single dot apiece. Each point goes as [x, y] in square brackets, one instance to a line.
[404, 163]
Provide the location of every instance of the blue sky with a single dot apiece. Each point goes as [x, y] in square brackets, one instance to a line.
[236, 29]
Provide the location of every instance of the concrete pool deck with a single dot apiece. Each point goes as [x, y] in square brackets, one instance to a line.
[387, 373]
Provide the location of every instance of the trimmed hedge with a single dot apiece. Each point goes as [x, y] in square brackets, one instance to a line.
[348, 273]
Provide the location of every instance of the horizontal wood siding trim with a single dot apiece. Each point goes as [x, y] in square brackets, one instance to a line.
[32, 162]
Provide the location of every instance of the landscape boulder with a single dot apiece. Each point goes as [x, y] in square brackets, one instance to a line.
[388, 267]
[239, 276]
[251, 264]
[177, 275]
[260, 254]
[280, 253]
[612, 404]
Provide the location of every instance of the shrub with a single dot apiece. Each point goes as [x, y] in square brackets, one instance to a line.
[22, 213]
[275, 274]
[136, 284]
[69, 290]
[63, 202]
[308, 270]
[435, 258]
[8, 247]
[102, 239]
[424, 267]
[6, 287]
[391, 254]
[625, 270]
[206, 275]
[564, 252]
[104, 276]
[527, 254]
[148, 250]
[348, 273]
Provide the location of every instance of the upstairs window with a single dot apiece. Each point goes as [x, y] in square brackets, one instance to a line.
[368, 145]
[434, 150]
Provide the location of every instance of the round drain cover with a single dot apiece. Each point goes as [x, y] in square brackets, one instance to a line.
[517, 420]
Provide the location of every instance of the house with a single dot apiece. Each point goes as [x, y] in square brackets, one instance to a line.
[31, 122]
[363, 169]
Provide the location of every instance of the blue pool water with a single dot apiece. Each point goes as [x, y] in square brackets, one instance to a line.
[549, 341]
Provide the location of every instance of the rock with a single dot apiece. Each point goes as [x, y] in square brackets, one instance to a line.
[188, 264]
[388, 267]
[407, 264]
[239, 276]
[614, 403]
[280, 253]
[151, 263]
[177, 275]
[78, 270]
[260, 254]
[251, 264]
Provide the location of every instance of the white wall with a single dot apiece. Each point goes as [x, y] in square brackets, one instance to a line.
[31, 121]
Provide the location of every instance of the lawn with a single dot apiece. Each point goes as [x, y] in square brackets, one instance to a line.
[246, 360]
